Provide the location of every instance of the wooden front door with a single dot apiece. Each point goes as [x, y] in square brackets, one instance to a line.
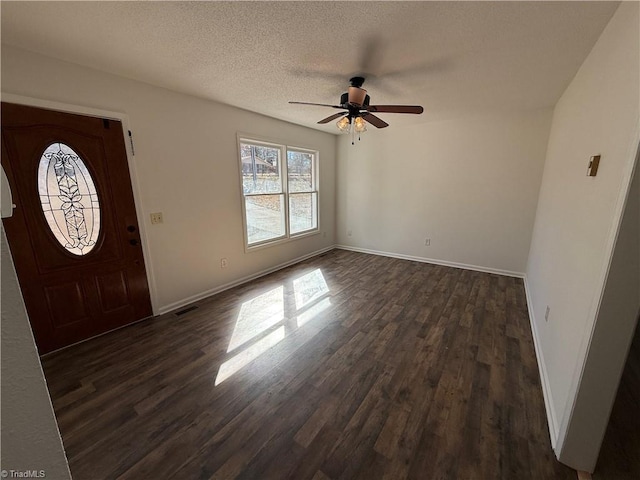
[73, 235]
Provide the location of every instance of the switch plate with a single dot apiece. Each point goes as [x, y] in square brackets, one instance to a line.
[594, 162]
[223, 263]
[156, 218]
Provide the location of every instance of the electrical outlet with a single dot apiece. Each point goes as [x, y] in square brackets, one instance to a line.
[223, 263]
[427, 242]
[546, 314]
[156, 218]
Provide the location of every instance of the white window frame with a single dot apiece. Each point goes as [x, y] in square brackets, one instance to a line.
[284, 179]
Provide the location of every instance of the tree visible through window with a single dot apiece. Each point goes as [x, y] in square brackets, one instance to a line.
[280, 198]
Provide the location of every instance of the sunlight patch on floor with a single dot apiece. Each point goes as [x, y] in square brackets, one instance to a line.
[234, 364]
[309, 287]
[268, 310]
[258, 315]
[313, 312]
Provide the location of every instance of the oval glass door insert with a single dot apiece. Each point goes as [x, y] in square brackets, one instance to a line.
[69, 199]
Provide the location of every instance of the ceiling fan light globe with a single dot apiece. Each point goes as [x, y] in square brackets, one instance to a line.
[344, 125]
[359, 125]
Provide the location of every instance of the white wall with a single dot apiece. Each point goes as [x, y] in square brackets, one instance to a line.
[578, 216]
[469, 184]
[610, 343]
[186, 164]
[30, 437]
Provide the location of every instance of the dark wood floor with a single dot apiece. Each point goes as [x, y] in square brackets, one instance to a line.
[620, 453]
[393, 369]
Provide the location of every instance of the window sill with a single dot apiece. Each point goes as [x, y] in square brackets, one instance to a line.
[280, 241]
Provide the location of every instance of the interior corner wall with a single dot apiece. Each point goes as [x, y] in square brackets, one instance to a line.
[30, 438]
[186, 165]
[578, 217]
[469, 184]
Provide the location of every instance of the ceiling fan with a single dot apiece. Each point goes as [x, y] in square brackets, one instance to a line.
[358, 111]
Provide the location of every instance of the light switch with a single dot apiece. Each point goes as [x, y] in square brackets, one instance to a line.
[593, 166]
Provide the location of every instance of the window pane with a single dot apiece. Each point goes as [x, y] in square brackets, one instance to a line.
[300, 171]
[260, 169]
[303, 212]
[69, 199]
[265, 217]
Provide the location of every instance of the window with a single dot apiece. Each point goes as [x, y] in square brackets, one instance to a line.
[280, 191]
[69, 199]
[303, 197]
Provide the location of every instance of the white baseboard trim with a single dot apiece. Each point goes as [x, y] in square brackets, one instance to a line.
[552, 421]
[445, 263]
[207, 293]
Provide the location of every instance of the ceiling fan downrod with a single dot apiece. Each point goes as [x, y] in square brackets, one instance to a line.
[356, 81]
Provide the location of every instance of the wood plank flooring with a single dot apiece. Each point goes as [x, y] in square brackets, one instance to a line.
[345, 366]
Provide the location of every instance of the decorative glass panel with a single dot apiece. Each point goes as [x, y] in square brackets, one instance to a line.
[300, 170]
[265, 217]
[302, 212]
[260, 169]
[69, 199]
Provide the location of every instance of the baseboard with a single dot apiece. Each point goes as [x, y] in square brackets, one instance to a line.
[552, 421]
[240, 281]
[207, 293]
[445, 263]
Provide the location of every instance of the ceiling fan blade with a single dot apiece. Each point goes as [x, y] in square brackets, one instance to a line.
[395, 108]
[333, 117]
[375, 121]
[319, 105]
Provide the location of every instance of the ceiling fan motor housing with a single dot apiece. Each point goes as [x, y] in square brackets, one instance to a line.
[355, 96]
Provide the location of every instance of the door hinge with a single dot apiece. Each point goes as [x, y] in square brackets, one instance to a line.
[133, 152]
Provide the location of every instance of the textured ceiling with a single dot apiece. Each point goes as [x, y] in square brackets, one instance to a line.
[450, 57]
